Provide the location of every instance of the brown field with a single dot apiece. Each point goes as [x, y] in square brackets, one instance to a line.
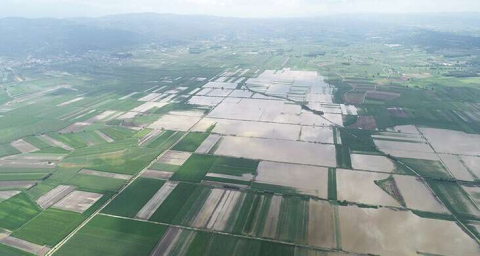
[54, 195]
[365, 122]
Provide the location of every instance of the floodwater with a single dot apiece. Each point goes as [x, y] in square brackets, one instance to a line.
[453, 142]
[359, 187]
[278, 150]
[270, 111]
[175, 122]
[417, 195]
[372, 163]
[317, 134]
[252, 129]
[388, 232]
[304, 179]
[407, 146]
[205, 101]
[456, 166]
[473, 164]
[321, 224]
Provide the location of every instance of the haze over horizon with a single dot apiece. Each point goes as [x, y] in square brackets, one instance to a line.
[230, 8]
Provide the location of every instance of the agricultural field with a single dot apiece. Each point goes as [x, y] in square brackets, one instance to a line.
[299, 146]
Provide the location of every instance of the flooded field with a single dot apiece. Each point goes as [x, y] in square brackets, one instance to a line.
[387, 190]
[405, 146]
[389, 232]
[417, 195]
[175, 122]
[317, 134]
[278, 150]
[205, 101]
[453, 142]
[303, 179]
[250, 129]
[270, 111]
[372, 163]
[458, 167]
[358, 186]
[208, 144]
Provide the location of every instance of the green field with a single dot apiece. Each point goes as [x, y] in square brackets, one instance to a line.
[9, 251]
[165, 140]
[164, 167]
[7, 150]
[114, 236]
[16, 211]
[191, 142]
[134, 197]
[195, 168]
[455, 198]
[172, 205]
[234, 166]
[427, 168]
[118, 133]
[95, 183]
[120, 157]
[49, 227]
[37, 142]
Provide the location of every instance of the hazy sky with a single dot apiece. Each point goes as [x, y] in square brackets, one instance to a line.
[237, 8]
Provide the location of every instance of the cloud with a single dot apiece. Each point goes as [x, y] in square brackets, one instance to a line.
[239, 8]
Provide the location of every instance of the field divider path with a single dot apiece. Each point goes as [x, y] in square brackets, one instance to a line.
[71, 234]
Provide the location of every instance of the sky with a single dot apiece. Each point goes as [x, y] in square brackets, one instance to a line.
[230, 8]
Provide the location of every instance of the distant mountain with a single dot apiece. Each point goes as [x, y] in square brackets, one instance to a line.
[21, 36]
[53, 36]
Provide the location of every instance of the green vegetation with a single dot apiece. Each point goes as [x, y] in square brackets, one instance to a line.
[95, 183]
[49, 227]
[274, 249]
[118, 133]
[225, 245]
[134, 197]
[234, 166]
[332, 184]
[16, 211]
[172, 205]
[164, 167]
[195, 168]
[118, 157]
[191, 142]
[293, 220]
[392, 86]
[343, 157]
[115, 236]
[7, 150]
[427, 168]
[37, 142]
[455, 198]
[10, 251]
[165, 140]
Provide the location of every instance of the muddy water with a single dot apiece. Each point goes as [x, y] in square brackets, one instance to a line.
[372, 163]
[278, 150]
[305, 179]
[358, 186]
[454, 142]
[388, 232]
